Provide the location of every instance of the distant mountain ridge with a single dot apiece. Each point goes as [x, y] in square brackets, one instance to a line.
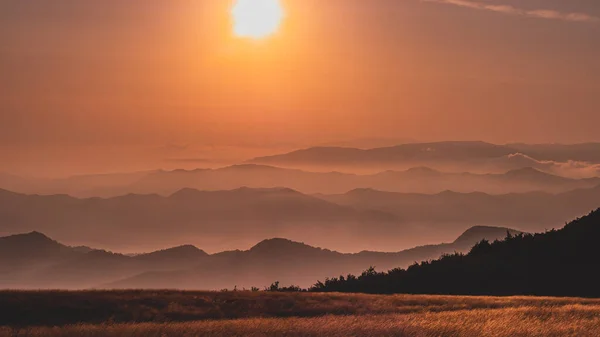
[412, 167]
[360, 219]
[191, 268]
[207, 216]
[448, 150]
[438, 151]
[418, 179]
[473, 156]
[537, 209]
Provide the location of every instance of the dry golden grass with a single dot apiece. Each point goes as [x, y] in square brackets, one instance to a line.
[568, 320]
[302, 314]
[35, 308]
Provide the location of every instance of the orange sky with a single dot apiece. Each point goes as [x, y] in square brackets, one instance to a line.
[127, 80]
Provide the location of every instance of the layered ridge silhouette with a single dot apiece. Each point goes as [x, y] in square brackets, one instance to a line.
[217, 219]
[361, 219]
[33, 261]
[413, 180]
[476, 156]
[531, 211]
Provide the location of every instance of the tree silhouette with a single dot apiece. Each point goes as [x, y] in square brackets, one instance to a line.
[556, 263]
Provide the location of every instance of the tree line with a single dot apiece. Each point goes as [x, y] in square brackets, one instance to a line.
[561, 262]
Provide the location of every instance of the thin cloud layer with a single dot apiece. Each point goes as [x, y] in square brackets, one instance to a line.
[571, 168]
[535, 13]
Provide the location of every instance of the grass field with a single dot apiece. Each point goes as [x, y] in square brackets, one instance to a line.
[174, 313]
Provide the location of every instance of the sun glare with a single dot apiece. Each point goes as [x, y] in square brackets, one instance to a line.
[256, 19]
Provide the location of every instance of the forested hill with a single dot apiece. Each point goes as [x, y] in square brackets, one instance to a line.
[557, 263]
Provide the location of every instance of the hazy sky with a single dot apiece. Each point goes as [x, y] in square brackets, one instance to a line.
[100, 83]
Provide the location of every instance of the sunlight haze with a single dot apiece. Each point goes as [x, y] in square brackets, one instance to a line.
[300, 168]
[256, 18]
[123, 77]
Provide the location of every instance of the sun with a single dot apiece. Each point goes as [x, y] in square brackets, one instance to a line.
[256, 19]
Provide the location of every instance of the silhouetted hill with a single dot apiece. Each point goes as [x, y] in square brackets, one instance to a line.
[189, 267]
[29, 246]
[281, 247]
[290, 262]
[555, 263]
[35, 261]
[474, 234]
[184, 252]
[22, 254]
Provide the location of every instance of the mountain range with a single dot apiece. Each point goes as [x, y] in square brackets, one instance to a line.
[218, 220]
[533, 211]
[577, 159]
[34, 261]
[362, 219]
[413, 180]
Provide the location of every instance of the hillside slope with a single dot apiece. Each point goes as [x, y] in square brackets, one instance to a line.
[33, 261]
[556, 263]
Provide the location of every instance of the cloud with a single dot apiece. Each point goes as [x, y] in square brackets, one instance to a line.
[571, 168]
[533, 13]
